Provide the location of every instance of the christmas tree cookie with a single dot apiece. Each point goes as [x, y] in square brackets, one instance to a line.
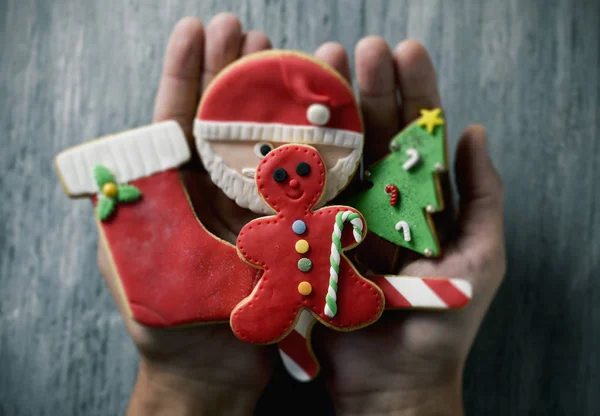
[405, 187]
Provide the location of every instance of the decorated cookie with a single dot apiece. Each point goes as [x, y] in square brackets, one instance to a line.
[170, 269]
[270, 99]
[300, 251]
[401, 292]
[405, 187]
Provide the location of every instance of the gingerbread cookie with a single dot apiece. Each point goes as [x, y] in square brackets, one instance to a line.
[171, 270]
[300, 251]
[405, 189]
[269, 99]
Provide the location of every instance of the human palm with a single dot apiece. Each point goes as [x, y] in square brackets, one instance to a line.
[403, 359]
[404, 350]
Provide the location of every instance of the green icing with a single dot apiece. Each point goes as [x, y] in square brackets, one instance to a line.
[417, 189]
[125, 193]
[128, 193]
[304, 264]
[102, 175]
[105, 207]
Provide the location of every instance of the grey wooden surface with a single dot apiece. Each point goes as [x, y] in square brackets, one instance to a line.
[528, 70]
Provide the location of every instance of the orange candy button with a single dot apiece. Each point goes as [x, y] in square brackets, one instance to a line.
[302, 246]
[304, 288]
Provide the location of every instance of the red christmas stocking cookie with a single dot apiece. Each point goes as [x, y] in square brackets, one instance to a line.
[171, 270]
[301, 253]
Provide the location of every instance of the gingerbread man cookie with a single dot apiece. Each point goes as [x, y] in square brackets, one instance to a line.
[300, 251]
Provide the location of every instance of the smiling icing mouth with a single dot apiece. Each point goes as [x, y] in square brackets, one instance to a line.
[248, 172]
[295, 195]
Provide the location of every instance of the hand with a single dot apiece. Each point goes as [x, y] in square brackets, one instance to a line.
[205, 368]
[412, 362]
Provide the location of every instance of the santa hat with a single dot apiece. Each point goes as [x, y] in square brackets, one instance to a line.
[280, 96]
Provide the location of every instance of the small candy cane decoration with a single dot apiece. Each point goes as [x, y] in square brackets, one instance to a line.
[336, 251]
[413, 158]
[393, 191]
[405, 228]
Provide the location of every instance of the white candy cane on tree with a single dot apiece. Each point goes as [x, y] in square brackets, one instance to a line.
[336, 252]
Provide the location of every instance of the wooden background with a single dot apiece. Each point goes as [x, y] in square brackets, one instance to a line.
[73, 70]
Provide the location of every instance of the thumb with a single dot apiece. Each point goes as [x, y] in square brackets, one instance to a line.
[481, 194]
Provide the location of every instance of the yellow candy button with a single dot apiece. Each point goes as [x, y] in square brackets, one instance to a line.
[304, 288]
[302, 246]
[110, 189]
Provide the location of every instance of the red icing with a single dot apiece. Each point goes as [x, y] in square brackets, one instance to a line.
[279, 88]
[298, 349]
[447, 292]
[173, 271]
[269, 243]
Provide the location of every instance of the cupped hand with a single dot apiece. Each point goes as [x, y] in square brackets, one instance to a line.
[412, 361]
[203, 368]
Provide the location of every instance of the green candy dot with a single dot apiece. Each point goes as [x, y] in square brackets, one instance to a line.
[304, 264]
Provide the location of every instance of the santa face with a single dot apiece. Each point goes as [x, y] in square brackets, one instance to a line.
[269, 99]
[234, 165]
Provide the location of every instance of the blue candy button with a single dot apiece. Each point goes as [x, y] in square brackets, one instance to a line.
[299, 227]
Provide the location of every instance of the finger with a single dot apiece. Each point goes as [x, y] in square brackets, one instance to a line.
[223, 45]
[375, 75]
[177, 95]
[416, 80]
[255, 41]
[481, 193]
[334, 54]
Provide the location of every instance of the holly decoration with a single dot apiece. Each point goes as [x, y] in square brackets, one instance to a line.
[111, 193]
[418, 155]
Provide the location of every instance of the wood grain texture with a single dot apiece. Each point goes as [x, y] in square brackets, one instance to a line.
[529, 70]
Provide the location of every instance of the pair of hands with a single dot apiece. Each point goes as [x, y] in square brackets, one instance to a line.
[409, 362]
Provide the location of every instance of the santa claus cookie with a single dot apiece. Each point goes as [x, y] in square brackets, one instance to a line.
[266, 100]
[170, 269]
[300, 251]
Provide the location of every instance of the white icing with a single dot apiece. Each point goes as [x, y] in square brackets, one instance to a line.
[428, 252]
[463, 286]
[304, 322]
[318, 114]
[430, 209]
[248, 172]
[439, 167]
[405, 228]
[274, 132]
[129, 155]
[416, 292]
[242, 188]
[413, 159]
[294, 369]
[257, 147]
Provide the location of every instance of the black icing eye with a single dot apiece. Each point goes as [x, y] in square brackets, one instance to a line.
[303, 169]
[279, 175]
[261, 149]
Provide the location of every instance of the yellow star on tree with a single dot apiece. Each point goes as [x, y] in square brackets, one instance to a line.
[430, 119]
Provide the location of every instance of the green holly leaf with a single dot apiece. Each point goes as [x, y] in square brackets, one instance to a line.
[105, 207]
[128, 193]
[102, 175]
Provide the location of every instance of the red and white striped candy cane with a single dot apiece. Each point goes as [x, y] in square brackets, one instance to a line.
[401, 292]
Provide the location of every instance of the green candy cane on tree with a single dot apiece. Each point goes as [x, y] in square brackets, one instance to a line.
[336, 252]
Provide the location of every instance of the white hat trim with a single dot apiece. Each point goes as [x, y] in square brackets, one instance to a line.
[274, 132]
[130, 155]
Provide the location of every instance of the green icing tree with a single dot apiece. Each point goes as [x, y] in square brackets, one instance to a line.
[419, 192]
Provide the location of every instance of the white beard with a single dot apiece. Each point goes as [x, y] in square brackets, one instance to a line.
[243, 189]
